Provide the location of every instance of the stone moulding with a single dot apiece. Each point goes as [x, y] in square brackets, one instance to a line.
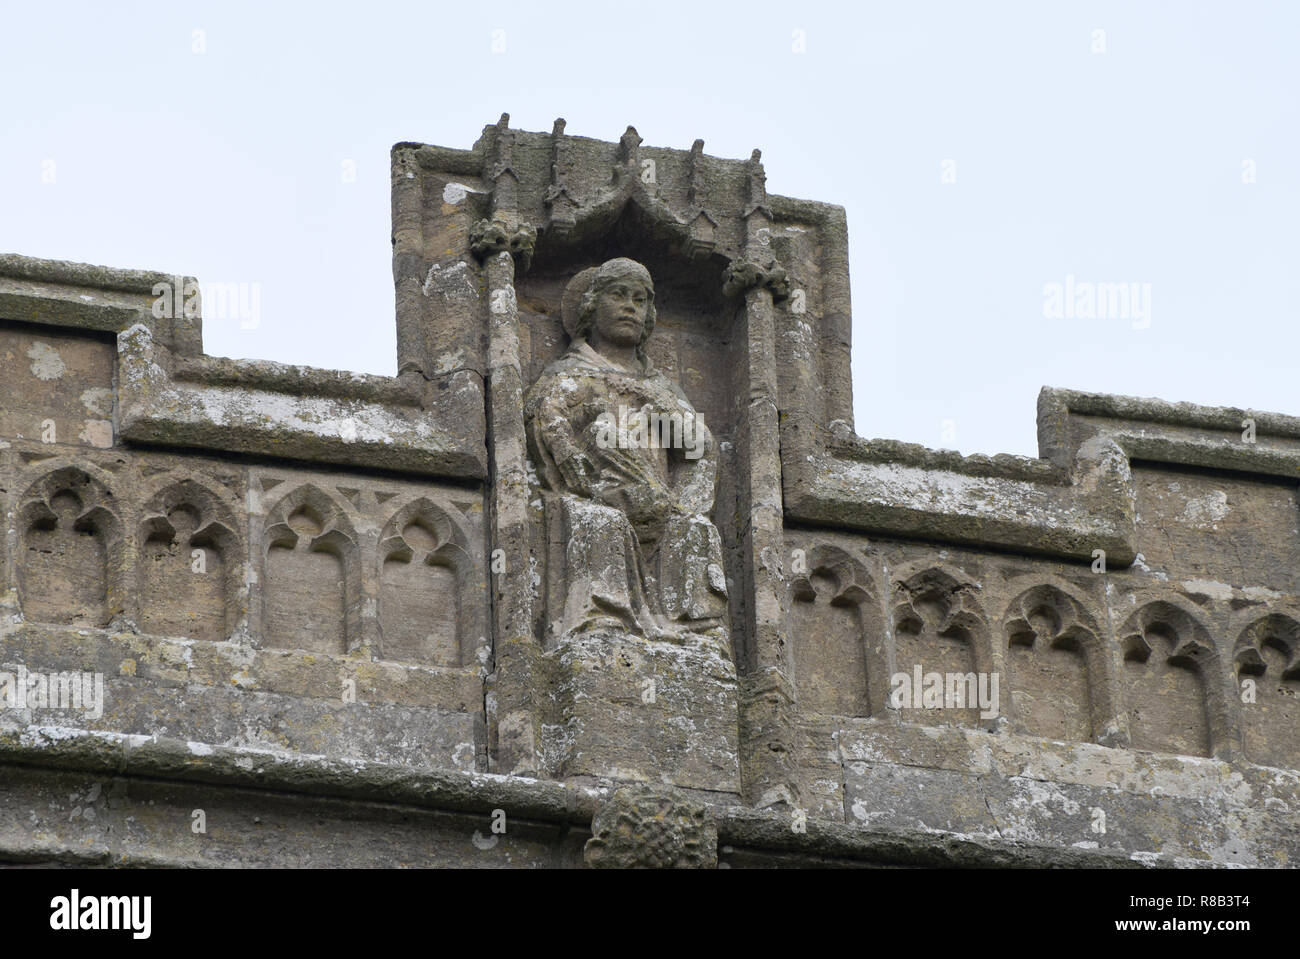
[1076, 499]
[299, 413]
[739, 830]
[98, 298]
[1159, 431]
[1004, 502]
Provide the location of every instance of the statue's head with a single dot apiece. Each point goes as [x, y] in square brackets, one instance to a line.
[619, 302]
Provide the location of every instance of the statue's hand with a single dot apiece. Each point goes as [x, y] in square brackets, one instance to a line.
[579, 474]
[653, 500]
[648, 503]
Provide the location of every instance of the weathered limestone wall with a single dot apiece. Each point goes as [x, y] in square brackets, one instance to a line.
[327, 608]
[1118, 691]
[225, 601]
[1149, 706]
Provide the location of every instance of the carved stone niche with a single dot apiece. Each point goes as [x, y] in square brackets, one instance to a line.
[191, 564]
[312, 575]
[430, 603]
[836, 638]
[70, 556]
[634, 616]
[1058, 676]
[1169, 682]
[697, 343]
[1268, 654]
[940, 630]
[742, 280]
[633, 613]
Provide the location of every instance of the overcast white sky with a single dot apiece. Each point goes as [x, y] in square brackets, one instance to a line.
[1119, 156]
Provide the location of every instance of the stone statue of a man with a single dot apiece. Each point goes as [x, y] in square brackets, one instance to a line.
[633, 468]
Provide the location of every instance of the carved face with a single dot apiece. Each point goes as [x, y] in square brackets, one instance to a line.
[621, 312]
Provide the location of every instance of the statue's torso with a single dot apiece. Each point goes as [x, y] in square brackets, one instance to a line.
[594, 394]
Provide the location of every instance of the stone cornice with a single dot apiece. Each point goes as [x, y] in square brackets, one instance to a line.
[158, 758]
[299, 413]
[1158, 431]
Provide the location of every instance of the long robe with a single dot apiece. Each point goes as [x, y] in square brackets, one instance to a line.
[584, 415]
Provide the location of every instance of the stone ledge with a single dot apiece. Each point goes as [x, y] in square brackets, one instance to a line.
[844, 444]
[269, 376]
[249, 408]
[172, 759]
[1159, 431]
[99, 299]
[750, 831]
[766, 833]
[908, 491]
[1152, 410]
[67, 273]
[1077, 498]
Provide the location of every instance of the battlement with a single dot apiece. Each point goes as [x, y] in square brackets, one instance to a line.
[317, 597]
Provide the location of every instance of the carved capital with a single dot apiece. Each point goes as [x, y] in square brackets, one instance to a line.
[742, 275]
[778, 283]
[647, 827]
[487, 237]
